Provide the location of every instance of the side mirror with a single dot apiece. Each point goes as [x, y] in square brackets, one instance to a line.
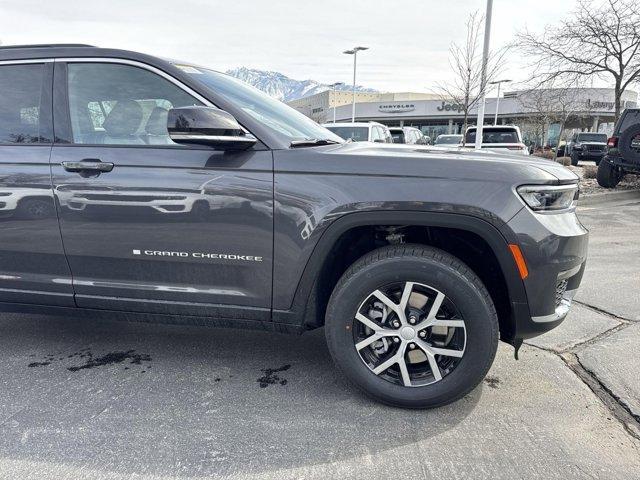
[207, 126]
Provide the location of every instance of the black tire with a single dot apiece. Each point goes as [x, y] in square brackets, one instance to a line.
[598, 162]
[608, 176]
[625, 144]
[574, 159]
[428, 266]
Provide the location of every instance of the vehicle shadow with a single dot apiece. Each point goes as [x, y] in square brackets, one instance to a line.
[188, 401]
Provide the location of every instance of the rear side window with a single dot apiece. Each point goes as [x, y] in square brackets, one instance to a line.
[630, 117]
[494, 135]
[22, 120]
[114, 104]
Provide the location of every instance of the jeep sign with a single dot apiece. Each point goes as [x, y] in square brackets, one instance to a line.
[455, 107]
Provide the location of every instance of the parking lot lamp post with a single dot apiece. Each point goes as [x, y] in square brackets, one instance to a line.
[354, 51]
[483, 75]
[497, 82]
[333, 87]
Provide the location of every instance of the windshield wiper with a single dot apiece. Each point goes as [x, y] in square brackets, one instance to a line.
[312, 142]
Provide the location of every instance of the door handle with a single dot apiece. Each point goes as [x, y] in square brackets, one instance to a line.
[88, 164]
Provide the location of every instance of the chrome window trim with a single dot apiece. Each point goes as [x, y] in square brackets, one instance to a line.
[220, 138]
[30, 60]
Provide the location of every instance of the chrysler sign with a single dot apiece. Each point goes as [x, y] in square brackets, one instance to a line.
[397, 108]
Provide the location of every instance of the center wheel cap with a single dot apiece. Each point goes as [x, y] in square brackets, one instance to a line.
[408, 333]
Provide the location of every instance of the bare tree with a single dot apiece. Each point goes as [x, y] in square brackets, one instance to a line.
[466, 64]
[547, 104]
[600, 39]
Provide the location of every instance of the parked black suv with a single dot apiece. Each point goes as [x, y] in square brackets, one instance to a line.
[623, 152]
[141, 188]
[587, 146]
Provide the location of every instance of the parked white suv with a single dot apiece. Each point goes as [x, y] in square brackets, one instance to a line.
[498, 137]
[408, 135]
[361, 131]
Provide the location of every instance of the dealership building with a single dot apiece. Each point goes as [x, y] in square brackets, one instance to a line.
[536, 112]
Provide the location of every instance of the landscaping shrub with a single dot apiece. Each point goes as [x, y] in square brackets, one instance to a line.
[589, 171]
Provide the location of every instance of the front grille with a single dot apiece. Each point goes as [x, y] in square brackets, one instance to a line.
[595, 148]
[561, 287]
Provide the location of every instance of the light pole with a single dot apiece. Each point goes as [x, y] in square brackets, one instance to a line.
[354, 51]
[483, 75]
[333, 88]
[497, 82]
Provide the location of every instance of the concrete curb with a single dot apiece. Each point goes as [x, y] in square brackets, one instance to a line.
[607, 197]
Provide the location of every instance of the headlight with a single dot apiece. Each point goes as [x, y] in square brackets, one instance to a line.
[549, 197]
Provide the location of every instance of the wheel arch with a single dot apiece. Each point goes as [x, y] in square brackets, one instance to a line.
[311, 294]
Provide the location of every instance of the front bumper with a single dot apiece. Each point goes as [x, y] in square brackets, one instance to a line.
[555, 249]
[589, 154]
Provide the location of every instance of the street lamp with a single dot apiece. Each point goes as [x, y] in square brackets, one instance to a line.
[497, 82]
[483, 74]
[354, 51]
[333, 88]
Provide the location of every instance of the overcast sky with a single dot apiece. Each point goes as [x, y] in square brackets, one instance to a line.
[408, 39]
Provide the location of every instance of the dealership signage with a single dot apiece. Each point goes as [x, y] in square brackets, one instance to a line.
[598, 105]
[449, 107]
[397, 108]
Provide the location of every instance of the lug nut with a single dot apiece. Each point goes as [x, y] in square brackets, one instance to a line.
[423, 334]
[396, 340]
[396, 323]
[412, 319]
[412, 346]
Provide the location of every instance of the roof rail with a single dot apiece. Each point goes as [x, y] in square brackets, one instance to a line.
[53, 45]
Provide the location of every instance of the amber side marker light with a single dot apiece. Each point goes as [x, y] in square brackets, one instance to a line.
[519, 259]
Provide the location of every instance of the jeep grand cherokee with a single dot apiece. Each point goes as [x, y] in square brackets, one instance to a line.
[171, 192]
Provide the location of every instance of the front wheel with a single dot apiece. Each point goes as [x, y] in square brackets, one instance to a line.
[412, 326]
[574, 159]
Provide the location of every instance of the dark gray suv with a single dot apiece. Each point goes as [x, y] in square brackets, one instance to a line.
[141, 188]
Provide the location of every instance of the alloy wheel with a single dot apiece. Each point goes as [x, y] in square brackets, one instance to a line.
[409, 334]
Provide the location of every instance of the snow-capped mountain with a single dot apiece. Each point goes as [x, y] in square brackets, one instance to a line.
[282, 87]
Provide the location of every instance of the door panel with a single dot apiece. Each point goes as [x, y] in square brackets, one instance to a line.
[33, 268]
[168, 229]
[150, 225]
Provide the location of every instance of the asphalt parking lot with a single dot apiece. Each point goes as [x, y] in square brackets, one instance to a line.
[111, 400]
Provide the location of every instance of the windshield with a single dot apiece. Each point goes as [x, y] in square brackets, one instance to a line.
[592, 137]
[494, 135]
[398, 136]
[448, 139]
[357, 134]
[283, 120]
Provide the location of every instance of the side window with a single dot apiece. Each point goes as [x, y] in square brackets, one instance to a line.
[21, 98]
[375, 133]
[114, 104]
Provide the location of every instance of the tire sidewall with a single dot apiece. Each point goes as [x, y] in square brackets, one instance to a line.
[624, 144]
[607, 176]
[478, 314]
[574, 159]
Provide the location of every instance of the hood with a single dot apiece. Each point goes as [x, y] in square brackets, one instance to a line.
[455, 161]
